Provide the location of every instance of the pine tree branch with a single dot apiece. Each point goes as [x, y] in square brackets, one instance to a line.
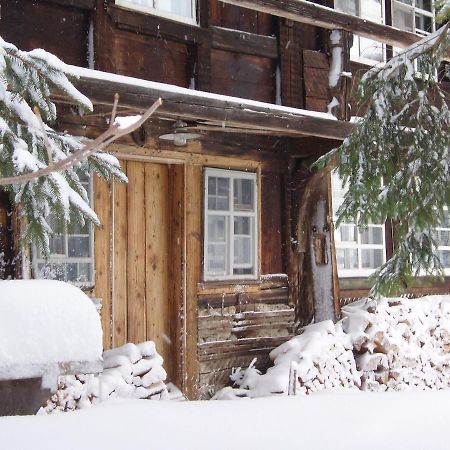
[113, 133]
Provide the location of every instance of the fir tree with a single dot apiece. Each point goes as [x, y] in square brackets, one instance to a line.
[396, 161]
[27, 143]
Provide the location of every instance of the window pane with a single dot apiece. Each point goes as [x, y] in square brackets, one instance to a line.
[371, 258]
[243, 195]
[444, 256]
[216, 228]
[372, 235]
[217, 259]
[424, 23]
[346, 233]
[243, 271]
[242, 225]
[424, 4]
[218, 193]
[56, 243]
[404, 19]
[372, 10]
[78, 246]
[371, 49]
[443, 238]
[84, 272]
[242, 250]
[347, 258]
[181, 7]
[348, 6]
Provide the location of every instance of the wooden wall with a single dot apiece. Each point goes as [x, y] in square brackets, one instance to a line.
[62, 30]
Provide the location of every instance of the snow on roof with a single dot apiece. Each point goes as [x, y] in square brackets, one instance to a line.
[47, 327]
[169, 88]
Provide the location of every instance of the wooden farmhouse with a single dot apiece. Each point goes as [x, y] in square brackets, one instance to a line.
[222, 242]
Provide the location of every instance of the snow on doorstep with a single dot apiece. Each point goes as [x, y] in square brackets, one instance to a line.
[47, 326]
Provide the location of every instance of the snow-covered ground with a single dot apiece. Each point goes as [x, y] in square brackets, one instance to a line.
[413, 420]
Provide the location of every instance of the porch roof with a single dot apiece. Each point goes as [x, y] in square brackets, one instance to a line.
[213, 111]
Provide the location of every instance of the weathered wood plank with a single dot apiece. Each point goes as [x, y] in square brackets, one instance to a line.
[193, 202]
[156, 259]
[136, 319]
[321, 16]
[220, 110]
[102, 255]
[120, 262]
[243, 42]
[175, 269]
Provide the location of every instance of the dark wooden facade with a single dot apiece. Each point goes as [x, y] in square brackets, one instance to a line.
[148, 252]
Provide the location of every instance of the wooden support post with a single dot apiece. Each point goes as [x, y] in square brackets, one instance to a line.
[193, 202]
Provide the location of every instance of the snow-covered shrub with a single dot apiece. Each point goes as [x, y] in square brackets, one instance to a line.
[386, 344]
[130, 371]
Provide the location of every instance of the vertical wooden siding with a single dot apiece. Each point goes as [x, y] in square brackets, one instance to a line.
[145, 274]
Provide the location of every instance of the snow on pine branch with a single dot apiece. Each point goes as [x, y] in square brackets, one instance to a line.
[28, 144]
[395, 163]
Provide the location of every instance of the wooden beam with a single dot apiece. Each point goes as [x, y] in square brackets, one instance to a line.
[243, 42]
[221, 110]
[321, 16]
[81, 4]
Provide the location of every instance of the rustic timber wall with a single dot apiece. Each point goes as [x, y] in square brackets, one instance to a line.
[59, 29]
[236, 327]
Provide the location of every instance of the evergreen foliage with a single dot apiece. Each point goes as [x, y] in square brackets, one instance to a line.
[396, 161]
[26, 80]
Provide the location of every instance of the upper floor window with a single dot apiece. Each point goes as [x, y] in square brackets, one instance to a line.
[363, 49]
[443, 239]
[358, 252]
[181, 10]
[416, 16]
[71, 256]
[230, 242]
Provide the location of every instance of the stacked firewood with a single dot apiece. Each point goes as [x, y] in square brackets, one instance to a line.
[130, 371]
[400, 343]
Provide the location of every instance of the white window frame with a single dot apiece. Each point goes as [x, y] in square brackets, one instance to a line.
[231, 214]
[356, 55]
[359, 272]
[64, 258]
[396, 4]
[192, 20]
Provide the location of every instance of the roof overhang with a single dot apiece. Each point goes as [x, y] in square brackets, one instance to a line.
[207, 109]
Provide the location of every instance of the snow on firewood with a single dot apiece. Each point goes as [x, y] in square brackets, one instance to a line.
[320, 357]
[47, 328]
[130, 371]
[380, 345]
[403, 343]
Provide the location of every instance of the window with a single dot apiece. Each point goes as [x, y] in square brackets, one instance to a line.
[363, 49]
[416, 16]
[443, 239]
[358, 253]
[181, 10]
[230, 245]
[71, 253]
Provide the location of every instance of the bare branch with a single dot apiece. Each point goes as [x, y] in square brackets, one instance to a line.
[113, 133]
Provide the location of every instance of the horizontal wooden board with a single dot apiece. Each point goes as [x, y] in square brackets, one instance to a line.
[241, 42]
[315, 59]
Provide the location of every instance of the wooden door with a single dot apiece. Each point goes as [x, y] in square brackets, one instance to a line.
[147, 259]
